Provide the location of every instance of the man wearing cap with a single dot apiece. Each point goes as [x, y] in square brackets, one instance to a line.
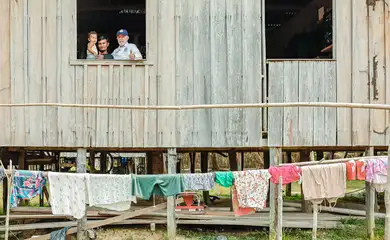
[125, 51]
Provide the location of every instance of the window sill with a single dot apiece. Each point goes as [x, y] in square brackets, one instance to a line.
[82, 62]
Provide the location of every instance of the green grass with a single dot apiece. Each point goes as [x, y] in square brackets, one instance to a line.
[350, 229]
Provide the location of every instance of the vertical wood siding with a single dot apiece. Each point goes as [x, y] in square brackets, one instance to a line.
[302, 81]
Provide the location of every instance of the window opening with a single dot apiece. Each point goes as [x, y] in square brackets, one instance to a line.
[106, 18]
[299, 29]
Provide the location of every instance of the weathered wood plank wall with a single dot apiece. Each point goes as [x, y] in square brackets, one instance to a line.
[200, 52]
[362, 47]
[302, 81]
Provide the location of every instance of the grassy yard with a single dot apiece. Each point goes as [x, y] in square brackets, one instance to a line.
[351, 229]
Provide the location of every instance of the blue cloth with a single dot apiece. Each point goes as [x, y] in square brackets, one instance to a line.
[26, 185]
[59, 234]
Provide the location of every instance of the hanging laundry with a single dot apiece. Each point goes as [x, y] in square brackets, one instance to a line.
[289, 174]
[324, 182]
[162, 185]
[113, 192]
[68, 193]
[59, 234]
[26, 185]
[3, 174]
[351, 170]
[376, 173]
[361, 170]
[199, 181]
[225, 179]
[239, 211]
[252, 188]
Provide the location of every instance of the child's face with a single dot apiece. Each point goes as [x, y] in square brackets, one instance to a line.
[92, 38]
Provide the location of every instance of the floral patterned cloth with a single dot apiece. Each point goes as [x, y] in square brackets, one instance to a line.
[199, 181]
[3, 174]
[376, 173]
[239, 211]
[26, 185]
[252, 188]
[68, 193]
[113, 192]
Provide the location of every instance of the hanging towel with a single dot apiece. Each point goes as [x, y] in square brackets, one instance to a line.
[239, 211]
[199, 181]
[252, 188]
[351, 170]
[26, 185]
[225, 179]
[68, 193]
[324, 182]
[289, 174]
[59, 234]
[3, 174]
[361, 170]
[113, 192]
[162, 185]
[376, 173]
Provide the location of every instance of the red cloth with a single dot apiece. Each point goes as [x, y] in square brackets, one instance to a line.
[360, 171]
[351, 170]
[288, 173]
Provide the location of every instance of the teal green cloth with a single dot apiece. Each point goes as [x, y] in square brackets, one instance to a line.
[225, 179]
[162, 185]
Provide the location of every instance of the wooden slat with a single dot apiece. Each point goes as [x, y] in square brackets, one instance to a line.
[5, 70]
[201, 91]
[234, 71]
[166, 72]
[306, 86]
[91, 113]
[184, 70]
[218, 64]
[251, 71]
[343, 44]
[79, 118]
[17, 71]
[319, 78]
[34, 80]
[330, 95]
[126, 99]
[51, 137]
[360, 71]
[377, 58]
[102, 89]
[152, 43]
[290, 81]
[138, 91]
[276, 95]
[114, 113]
[387, 55]
[68, 51]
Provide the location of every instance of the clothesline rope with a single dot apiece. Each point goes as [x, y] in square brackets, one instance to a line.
[206, 106]
[341, 160]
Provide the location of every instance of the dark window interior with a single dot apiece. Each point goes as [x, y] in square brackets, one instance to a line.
[299, 29]
[106, 17]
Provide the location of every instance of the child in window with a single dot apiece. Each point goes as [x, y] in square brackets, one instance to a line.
[92, 51]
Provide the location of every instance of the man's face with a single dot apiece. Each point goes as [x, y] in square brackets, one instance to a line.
[122, 39]
[103, 45]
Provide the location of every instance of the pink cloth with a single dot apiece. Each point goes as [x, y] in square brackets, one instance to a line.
[289, 174]
[376, 173]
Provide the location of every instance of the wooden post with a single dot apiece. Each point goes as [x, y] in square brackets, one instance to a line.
[288, 186]
[370, 203]
[315, 220]
[9, 185]
[306, 206]
[192, 162]
[103, 162]
[242, 161]
[280, 210]
[81, 167]
[275, 159]
[387, 200]
[171, 216]
[204, 167]
[149, 163]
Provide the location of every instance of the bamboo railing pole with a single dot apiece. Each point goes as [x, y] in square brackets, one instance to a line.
[315, 221]
[279, 230]
[341, 160]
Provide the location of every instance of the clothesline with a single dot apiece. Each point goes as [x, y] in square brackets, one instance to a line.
[323, 162]
[341, 160]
